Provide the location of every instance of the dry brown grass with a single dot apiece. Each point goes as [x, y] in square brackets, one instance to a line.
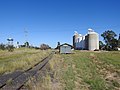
[51, 80]
[20, 59]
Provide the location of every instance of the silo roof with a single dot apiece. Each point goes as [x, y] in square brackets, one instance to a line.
[92, 32]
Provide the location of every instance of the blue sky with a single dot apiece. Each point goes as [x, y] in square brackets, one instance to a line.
[50, 21]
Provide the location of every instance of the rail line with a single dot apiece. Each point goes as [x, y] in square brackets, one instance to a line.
[16, 80]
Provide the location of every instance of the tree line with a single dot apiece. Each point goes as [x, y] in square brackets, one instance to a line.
[6, 47]
[26, 45]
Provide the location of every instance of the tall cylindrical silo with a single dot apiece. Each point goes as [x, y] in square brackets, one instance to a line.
[93, 41]
[86, 42]
[75, 39]
[79, 42]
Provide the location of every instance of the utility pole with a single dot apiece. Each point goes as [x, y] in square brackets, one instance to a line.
[26, 34]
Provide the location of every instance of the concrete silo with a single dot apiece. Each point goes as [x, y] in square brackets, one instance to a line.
[93, 40]
[75, 39]
[78, 41]
[86, 42]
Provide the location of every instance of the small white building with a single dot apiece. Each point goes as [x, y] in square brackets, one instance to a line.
[65, 48]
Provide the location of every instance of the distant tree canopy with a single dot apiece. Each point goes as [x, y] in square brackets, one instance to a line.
[2, 46]
[58, 46]
[10, 48]
[44, 47]
[26, 44]
[7, 47]
[110, 40]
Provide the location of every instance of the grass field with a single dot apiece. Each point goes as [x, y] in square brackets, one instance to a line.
[20, 59]
[82, 70]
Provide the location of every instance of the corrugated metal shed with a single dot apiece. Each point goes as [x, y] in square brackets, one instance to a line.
[65, 48]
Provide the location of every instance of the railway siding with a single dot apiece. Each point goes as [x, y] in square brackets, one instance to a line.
[16, 80]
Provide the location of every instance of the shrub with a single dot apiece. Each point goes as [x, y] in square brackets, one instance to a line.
[2, 46]
[10, 48]
[44, 47]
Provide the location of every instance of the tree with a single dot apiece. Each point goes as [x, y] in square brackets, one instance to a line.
[109, 38]
[114, 44]
[10, 48]
[58, 46]
[26, 44]
[44, 47]
[2, 46]
[101, 45]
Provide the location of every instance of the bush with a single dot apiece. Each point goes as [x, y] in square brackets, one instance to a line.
[10, 48]
[2, 46]
[44, 47]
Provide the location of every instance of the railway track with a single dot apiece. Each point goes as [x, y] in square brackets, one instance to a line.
[16, 80]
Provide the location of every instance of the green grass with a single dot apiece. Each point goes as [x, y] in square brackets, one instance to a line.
[110, 58]
[88, 70]
[83, 70]
[85, 67]
[72, 72]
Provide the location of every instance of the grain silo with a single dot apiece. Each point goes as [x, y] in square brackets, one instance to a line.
[75, 39]
[86, 42]
[78, 41]
[93, 40]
